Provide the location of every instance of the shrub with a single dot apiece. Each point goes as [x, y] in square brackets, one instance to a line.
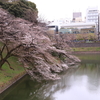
[29, 4]
[23, 9]
[88, 36]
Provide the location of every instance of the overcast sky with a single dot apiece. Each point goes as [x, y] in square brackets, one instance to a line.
[56, 9]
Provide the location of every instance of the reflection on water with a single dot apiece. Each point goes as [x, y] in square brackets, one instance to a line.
[81, 83]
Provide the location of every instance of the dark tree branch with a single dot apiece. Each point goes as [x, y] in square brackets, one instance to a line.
[7, 49]
[9, 65]
[1, 51]
[15, 48]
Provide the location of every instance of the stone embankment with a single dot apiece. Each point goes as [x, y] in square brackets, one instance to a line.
[13, 81]
[86, 52]
[76, 45]
[85, 45]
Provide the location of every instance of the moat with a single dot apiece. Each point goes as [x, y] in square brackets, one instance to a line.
[79, 83]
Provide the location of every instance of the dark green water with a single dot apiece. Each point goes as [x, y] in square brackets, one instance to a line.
[80, 83]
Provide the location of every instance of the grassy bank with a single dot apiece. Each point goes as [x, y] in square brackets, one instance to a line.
[84, 49]
[7, 76]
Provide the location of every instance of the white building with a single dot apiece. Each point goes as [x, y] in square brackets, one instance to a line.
[92, 14]
[59, 23]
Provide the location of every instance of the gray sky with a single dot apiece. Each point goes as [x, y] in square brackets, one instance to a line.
[56, 9]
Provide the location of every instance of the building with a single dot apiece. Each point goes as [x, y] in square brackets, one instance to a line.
[98, 26]
[77, 17]
[92, 15]
[78, 28]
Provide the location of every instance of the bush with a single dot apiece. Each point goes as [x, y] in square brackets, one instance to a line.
[20, 9]
[16, 10]
[29, 4]
[85, 37]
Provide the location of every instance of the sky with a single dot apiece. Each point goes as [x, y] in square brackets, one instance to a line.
[63, 9]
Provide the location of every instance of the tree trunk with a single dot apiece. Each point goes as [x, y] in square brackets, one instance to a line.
[1, 63]
[4, 60]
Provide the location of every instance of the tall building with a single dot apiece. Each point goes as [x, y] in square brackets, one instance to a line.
[77, 17]
[92, 14]
[99, 26]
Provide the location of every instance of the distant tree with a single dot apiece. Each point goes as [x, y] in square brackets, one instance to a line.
[86, 36]
[21, 8]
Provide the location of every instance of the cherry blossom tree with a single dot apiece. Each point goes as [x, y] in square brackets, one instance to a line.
[30, 43]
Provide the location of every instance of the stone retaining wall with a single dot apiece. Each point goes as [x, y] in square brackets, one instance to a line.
[13, 82]
[85, 45]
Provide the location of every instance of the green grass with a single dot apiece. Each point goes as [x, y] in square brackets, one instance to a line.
[86, 49]
[8, 75]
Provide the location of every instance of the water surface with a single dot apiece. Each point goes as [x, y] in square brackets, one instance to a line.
[79, 83]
